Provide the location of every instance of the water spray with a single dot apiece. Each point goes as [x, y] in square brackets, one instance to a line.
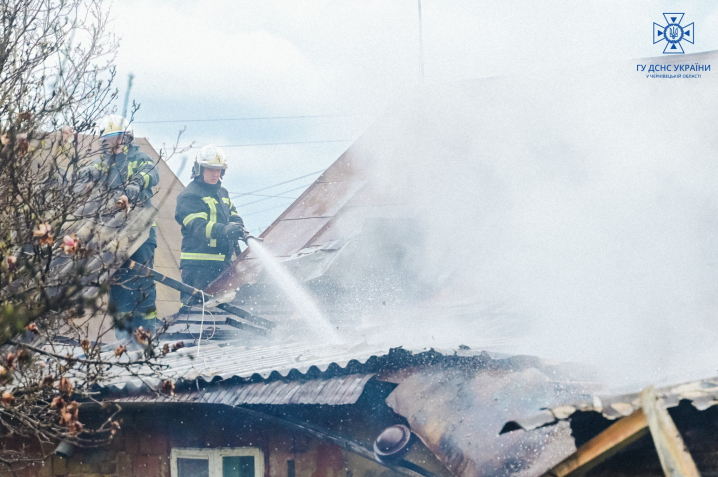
[294, 291]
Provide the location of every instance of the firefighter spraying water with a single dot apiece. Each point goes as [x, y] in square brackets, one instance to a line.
[210, 223]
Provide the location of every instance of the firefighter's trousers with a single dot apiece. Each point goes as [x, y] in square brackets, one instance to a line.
[201, 275]
[133, 296]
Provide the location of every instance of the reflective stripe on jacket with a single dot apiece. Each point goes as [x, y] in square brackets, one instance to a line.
[115, 171]
[129, 166]
[203, 210]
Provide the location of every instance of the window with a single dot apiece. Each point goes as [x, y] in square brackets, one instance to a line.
[290, 468]
[229, 462]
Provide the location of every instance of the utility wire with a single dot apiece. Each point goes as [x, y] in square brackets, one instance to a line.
[239, 194]
[263, 210]
[258, 118]
[286, 143]
[278, 196]
[264, 195]
[256, 144]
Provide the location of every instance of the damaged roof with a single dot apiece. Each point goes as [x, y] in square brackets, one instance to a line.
[701, 394]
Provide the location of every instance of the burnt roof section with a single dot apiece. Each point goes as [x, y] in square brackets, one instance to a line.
[701, 394]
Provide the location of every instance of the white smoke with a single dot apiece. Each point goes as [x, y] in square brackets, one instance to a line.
[587, 204]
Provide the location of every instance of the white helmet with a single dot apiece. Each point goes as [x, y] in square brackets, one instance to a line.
[114, 125]
[212, 157]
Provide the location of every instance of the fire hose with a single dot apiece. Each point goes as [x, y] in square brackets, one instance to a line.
[266, 325]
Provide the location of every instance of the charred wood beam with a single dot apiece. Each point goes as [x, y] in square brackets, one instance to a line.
[403, 467]
[675, 458]
[606, 444]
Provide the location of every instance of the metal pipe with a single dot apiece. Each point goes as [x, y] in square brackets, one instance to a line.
[127, 95]
[421, 43]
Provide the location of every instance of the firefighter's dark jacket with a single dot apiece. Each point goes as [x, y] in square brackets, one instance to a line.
[114, 171]
[203, 211]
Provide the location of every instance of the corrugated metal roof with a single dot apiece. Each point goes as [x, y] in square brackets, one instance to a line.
[228, 360]
[702, 395]
[340, 390]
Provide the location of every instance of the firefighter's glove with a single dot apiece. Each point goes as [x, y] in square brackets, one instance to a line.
[132, 191]
[85, 178]
[88, 174]
[234, 231]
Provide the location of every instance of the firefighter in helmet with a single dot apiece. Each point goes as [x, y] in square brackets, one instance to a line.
[210, 223]
[122, 169]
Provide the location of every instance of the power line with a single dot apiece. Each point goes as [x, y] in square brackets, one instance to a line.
[266, 198]
[257, 118]
[279, 143]
[263, 210]
[265, 195]
[278, 196]
[239, 194]
[286, 143]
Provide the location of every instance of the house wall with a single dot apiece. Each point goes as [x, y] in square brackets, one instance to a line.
[142, 448]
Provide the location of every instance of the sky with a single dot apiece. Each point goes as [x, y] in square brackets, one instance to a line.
[323, 70]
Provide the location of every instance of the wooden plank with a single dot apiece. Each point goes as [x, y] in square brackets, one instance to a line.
[675, 458]
[604, 445]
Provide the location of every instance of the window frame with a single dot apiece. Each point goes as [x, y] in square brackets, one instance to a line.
[214, 457]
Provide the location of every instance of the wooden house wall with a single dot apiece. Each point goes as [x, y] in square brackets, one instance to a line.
[142, 448]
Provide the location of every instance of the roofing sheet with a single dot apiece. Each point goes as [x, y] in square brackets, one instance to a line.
[333, 391]
[297, 361]
[226, 360]
[702, 395]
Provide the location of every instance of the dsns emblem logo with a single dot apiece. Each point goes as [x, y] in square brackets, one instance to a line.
[673, 33]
